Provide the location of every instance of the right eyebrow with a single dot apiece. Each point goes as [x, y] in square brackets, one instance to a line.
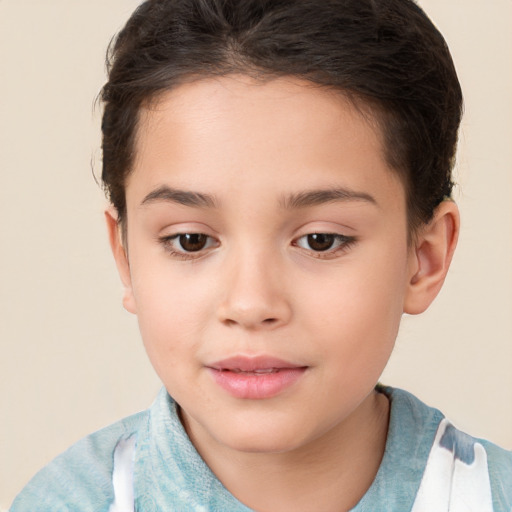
[183, 197]
[318, 197]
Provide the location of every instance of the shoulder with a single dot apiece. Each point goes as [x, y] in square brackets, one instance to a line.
[459, 468]
[462, 469]
[80, 479]
[499, 466]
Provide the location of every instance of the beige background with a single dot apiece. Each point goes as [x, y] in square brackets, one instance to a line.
[70, 358]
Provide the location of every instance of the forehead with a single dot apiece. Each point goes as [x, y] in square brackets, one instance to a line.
[285, 131]
[295, 105]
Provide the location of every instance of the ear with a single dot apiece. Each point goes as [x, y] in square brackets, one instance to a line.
[430, 258]
[121, 258]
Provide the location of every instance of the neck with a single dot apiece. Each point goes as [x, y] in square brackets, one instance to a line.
[332, 473]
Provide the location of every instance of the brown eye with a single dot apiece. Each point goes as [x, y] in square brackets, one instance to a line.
[325, 245]
[188, 246]
[321, 241]
[192, 242]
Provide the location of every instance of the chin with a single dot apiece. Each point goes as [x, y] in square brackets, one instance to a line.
[257, 427]
[263, 445]
[259, 437]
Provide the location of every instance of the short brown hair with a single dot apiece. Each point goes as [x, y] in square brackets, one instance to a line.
[386, 54]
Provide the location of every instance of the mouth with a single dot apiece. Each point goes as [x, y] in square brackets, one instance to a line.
[259, 371]
[255, 378]
[255, 364]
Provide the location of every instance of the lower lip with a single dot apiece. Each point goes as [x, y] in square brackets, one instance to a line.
[256, 386]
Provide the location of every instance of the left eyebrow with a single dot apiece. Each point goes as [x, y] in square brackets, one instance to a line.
[183, 197]
[318, 197]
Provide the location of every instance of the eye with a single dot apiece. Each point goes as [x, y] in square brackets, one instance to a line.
[324, 242]
[186, 244]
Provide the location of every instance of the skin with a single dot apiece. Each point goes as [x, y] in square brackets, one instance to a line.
[259, 287]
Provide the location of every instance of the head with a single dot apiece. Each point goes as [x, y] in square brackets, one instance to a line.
[278, 170]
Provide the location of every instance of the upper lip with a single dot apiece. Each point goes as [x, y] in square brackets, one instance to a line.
[250, 364]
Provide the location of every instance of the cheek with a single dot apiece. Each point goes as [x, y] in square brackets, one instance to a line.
[171, 312]
[357, 311]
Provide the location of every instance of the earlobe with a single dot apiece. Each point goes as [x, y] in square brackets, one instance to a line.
[121, 258]
[430, 258]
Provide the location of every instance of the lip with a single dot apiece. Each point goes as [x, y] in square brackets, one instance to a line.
[255, 378]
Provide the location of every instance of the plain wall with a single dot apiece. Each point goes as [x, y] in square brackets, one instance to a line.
[71, 360]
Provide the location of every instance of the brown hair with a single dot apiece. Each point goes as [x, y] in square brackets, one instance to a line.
[386, 54]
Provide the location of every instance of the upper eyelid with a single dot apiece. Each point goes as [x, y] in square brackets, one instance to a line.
[171, 231]
[331, 253]
[326, 226]
[176, 235]
[346, 238]
[167, 240]
[334, 232]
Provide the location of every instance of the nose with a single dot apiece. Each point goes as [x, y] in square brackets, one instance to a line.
[254, 296]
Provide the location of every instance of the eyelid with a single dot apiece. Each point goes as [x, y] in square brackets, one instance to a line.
[344, 243]
[167, 241]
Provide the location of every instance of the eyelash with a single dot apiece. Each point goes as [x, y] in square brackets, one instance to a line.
[342, 243]
[167, 242]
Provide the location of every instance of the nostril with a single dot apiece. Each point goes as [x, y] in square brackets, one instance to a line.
[267, 321]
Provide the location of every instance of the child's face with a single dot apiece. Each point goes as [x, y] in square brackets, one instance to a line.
[298, 253]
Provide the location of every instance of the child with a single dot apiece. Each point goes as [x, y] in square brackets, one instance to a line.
[280, 179]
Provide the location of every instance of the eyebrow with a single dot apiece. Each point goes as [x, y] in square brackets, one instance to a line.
[298, 200]
[183, 197]
[310, 198]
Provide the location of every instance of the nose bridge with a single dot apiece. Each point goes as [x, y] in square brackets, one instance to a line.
[254, 293]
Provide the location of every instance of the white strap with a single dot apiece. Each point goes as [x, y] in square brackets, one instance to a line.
[456, 478]
[122, 476]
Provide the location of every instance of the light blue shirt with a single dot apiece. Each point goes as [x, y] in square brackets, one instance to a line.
[146, 463]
